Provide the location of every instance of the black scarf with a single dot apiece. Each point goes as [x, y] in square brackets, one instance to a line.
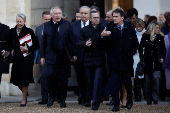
[54, 34]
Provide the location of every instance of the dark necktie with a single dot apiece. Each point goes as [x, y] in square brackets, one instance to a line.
[119, 27]
[84, 24]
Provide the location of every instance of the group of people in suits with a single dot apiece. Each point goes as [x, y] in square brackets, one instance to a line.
[95, 45]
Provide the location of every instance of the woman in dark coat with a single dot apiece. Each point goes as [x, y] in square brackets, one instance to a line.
[152, 44]
[22, 44]
[4, 30]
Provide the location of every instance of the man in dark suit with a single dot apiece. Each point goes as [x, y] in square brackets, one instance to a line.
[78, 65]
[94, 58]
[121, 43]
[56, 37]
[43, 69]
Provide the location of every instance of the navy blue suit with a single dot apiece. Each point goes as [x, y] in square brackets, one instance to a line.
[78, 65]
[43, 70]
[58, 64]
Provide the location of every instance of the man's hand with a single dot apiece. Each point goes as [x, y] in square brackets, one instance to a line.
[161, 60]
[42, 61]
[105, 33]
[74, 58]
[12, 52]
[89, 42]
[24, 48]
[3, 52]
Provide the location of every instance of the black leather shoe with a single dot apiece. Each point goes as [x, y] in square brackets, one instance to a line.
[43, 102]
[155, 102]
[62, 104]
[123, 106]
[50, 102]
[95, 106]
[23, 105]
[80, 100]
[110, 103]
[87, 104]
[115, 109]
[129, 104]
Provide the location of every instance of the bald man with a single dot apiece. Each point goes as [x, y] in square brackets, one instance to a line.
[109, 16]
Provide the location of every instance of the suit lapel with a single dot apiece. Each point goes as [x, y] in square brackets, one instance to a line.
[79, 26]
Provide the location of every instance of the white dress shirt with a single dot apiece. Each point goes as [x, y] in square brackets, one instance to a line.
[82, 25]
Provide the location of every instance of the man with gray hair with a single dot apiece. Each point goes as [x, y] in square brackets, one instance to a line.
[57, 36]
[78, 65]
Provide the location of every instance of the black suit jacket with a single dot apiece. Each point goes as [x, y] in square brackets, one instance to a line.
[64, 38]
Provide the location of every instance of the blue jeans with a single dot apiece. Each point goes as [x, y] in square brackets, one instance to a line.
[93, 83]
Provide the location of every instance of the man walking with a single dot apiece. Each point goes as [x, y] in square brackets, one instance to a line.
[78, 65]
[43, 69]
[122, 44]
[56, 37]
[94, 58]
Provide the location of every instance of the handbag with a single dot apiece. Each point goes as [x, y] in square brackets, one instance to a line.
[140, 67]
[8, 58]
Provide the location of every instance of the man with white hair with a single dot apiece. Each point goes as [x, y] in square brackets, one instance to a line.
[56, 37]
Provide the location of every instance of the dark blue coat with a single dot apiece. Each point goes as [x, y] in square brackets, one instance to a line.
[121, 47]
[76, 26]
[64, 37]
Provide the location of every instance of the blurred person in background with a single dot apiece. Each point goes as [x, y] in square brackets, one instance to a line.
[138, 80]
[154, 55]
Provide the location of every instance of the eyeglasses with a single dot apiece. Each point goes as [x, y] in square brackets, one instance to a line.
[20, 22]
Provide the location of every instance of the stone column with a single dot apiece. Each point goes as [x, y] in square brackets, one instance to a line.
[8, 11]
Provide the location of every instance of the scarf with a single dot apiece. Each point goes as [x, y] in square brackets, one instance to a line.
[54, 34]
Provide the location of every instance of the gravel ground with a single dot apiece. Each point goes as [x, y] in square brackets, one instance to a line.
[33, 107]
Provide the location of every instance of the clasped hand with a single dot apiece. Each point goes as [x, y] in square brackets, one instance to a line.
[24, 48]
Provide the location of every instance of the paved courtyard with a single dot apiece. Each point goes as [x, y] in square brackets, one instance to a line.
[10, 104]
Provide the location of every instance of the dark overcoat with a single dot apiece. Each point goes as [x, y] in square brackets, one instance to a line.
[22, 68]
[95, 54]
[4, 31]
[153, 51]
[121, 46]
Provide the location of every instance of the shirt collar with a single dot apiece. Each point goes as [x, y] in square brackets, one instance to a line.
[121, 26]
[86, 23]
[54, 22]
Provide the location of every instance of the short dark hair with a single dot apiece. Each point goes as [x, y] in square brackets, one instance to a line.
[93, 12]
[147, 15]
[122, 14]
[94, 7]
[45, 13]
[131, 12]
[77, 11]
[151, 18]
